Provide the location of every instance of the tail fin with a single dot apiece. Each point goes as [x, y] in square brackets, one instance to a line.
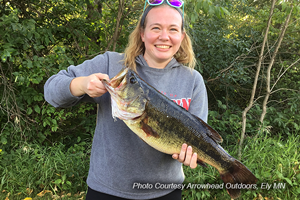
[238, 174]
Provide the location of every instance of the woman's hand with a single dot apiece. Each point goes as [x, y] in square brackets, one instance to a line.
[90, 85]
[186, 156]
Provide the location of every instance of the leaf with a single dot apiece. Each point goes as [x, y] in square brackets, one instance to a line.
[225, 11]
[3, 140]
[58, 181]
[296, 126]
[284, 5]
[29, 64]
[64, 177]
[193, 18]
[29, 111]
[289, 181]
[54, 128]
[205, 7]
[5, 54]
[37, 109]
[198, 194]
[42, 193]
[211, 10]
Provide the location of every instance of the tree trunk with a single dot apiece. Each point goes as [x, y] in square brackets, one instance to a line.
[264, 112]
[116, 33]
[244, 115]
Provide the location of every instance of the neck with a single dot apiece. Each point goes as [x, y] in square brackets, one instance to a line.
[157, 64]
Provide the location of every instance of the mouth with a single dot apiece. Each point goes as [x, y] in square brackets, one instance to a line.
[163, 46]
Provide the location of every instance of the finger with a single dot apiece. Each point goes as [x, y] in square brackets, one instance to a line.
[175, 156]
[96, 88]
[182, 153]
[193, 163]
[97, 92]
[188, 156]
[94, 83]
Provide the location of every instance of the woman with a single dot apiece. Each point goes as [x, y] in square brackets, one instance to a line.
[122, 166]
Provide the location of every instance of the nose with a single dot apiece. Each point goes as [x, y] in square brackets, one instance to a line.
[164, 35]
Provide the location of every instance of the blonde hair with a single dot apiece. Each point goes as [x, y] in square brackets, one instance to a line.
[185, 54]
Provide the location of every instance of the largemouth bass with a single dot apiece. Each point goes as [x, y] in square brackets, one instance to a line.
[165, 126]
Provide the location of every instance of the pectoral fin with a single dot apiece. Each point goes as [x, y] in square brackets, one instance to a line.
[147, 129]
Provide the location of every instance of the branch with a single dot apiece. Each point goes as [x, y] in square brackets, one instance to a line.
[287, 89]
[115, 36]
[284, 72]
[244, 115]
[270, 67]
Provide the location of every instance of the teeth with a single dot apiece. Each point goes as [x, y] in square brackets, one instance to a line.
[163, 47]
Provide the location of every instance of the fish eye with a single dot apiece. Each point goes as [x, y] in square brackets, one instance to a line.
[132, 80]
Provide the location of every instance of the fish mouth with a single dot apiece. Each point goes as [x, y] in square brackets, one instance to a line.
[117, 82]
[115, 85]
[120, 106]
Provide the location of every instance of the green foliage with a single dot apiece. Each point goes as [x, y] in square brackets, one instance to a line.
[39, 38]
[63, 170]
[228, 50]
[32, 49]
[272, 160]
[205, 7]
[35, 169]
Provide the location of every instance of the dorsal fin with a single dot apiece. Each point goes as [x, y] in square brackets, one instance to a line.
[212, 133]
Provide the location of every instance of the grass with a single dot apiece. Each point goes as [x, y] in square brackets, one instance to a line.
[58, 172]
[31, 170]
[272, 160]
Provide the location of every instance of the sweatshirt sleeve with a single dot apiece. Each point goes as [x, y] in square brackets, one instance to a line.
[199, 102]
[57, 87]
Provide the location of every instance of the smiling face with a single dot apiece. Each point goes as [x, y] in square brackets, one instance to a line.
[162, 35]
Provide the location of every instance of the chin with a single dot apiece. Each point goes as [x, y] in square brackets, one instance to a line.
[164, 58]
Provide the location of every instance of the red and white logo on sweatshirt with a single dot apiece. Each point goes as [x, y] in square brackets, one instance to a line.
[183, 102]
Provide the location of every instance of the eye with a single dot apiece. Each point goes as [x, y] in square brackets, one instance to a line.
[174, 29]
[132, 80]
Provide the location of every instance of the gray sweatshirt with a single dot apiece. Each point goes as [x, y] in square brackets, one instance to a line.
[121, 164]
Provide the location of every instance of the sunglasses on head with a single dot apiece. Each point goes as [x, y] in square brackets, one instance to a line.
[173, 3]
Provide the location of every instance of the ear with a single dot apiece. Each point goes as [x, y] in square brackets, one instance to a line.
[182, 36]
[142, 35]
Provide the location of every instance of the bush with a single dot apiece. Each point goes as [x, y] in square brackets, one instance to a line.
[31, 169]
